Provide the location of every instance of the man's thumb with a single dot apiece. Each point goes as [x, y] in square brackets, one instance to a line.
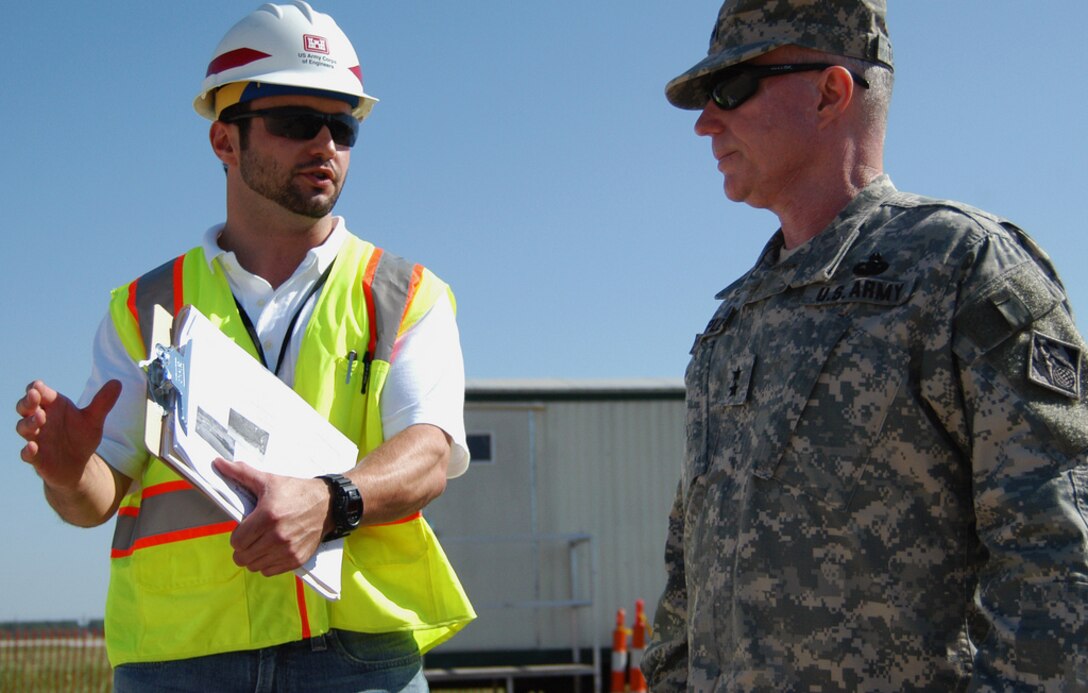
[104, 400]
[242, 473]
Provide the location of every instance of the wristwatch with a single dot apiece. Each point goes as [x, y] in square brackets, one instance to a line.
[345, 505]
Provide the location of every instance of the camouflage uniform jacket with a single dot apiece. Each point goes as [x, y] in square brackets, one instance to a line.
[886, 484]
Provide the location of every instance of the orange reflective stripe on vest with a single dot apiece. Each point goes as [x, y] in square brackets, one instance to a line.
[368, 292]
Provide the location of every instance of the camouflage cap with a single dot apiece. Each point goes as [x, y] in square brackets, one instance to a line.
[749, 28]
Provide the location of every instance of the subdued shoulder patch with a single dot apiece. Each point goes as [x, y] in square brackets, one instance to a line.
[1054, 364]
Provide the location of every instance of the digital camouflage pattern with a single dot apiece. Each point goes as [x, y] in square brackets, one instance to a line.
[749, 28]
[886, 482]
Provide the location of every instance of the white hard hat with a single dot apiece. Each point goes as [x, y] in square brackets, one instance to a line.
[289, 48]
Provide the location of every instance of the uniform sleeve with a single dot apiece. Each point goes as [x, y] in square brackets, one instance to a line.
[122, 445]
[426, 383]
[1023, 386]
[665, 663]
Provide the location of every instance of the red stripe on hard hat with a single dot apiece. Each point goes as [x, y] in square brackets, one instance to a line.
[358, 72]
[235, 58]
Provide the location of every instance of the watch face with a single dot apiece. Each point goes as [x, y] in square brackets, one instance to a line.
[353, 506]
[345, 505]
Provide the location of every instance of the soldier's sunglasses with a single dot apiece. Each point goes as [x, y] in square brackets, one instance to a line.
[737, 84]
[301, 123]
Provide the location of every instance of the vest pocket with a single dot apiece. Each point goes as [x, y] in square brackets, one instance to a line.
[391, 578]
[185, 563]
[347, 408]
[180, 600]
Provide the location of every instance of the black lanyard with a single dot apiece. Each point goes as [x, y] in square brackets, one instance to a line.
[290, 326]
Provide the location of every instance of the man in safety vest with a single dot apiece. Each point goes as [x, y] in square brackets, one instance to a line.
[203, 603]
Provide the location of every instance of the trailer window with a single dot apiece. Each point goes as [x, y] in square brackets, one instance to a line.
[480, 448]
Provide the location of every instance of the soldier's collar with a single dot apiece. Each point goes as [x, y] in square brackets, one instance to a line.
[819, 259]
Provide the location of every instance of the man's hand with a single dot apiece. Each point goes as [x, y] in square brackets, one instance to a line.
[60, 437]
[61, 440]
[285, 528]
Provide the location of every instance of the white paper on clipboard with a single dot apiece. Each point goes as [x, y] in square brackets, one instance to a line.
[208, 398]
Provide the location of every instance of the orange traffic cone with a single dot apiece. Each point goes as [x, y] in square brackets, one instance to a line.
[619, 654]
[638, 645]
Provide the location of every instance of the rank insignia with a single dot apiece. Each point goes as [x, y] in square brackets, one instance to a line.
[737, 381]
[1055, 365]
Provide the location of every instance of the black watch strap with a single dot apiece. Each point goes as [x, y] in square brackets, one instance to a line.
[345, 505]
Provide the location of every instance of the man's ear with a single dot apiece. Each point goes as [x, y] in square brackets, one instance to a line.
[836, 92]
[225, 142]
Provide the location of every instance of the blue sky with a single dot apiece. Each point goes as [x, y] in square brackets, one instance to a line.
[524, 151]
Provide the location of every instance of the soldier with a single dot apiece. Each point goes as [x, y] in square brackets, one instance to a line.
[885, 483]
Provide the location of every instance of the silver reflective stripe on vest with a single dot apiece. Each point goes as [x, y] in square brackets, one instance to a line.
[154, 288]
[162, 513]
[392, 281]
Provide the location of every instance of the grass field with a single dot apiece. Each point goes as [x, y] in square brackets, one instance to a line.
[74, 662]
[71, 658]
[54, 663]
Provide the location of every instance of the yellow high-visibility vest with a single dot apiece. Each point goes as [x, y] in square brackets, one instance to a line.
[175, 591]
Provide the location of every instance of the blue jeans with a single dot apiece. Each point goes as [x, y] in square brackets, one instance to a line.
[338, 661]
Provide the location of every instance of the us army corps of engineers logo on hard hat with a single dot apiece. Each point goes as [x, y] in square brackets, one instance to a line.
[315, 51]
[315, 44]
[1054, 364]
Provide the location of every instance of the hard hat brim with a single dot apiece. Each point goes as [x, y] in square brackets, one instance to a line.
[204, 103]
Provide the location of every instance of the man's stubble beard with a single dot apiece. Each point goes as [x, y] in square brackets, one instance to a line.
[271, 182]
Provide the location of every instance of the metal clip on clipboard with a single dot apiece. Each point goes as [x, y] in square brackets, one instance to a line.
[167, 381]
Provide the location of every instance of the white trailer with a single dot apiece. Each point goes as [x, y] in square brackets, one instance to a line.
[561, 518]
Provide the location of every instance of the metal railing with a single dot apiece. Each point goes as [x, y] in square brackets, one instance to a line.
[580, 589]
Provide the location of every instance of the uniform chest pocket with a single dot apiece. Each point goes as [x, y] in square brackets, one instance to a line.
[823, 447]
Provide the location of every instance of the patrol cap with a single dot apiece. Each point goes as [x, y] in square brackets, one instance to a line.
[749, 28]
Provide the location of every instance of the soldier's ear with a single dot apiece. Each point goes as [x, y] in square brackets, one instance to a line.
[837, 92]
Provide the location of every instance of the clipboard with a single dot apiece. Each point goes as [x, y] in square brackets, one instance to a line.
[208, 398]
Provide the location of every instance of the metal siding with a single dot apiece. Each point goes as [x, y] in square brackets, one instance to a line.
[608, 468]
[492, 499]
[612, 470]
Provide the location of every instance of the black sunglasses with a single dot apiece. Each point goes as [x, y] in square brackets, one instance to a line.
[301, 123]
[737, 84]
